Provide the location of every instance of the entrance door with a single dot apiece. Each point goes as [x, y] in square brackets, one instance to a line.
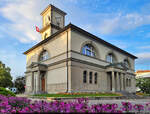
[43, 83]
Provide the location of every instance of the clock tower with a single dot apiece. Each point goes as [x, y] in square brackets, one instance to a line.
[53, 20]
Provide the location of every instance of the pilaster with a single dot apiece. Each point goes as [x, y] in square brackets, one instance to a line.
[113, 81]
[122, 82]
[118, 81]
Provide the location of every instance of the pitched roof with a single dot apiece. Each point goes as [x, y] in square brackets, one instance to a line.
[73, 27]
[142, 71]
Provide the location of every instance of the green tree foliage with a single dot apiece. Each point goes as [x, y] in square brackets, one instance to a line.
[144, 85]
[5, 76]
[19, 84]
[5, 92]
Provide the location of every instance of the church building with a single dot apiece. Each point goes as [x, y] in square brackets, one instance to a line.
[70, 59]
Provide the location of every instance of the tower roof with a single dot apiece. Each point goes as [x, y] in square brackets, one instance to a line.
[53, 7]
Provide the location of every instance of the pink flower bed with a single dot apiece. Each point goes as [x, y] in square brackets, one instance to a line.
[24, 105]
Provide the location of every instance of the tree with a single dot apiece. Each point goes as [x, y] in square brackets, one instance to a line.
[5, 76]
[143, 84]
[20, 84]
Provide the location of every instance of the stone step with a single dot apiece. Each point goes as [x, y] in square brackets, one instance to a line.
[129, 95]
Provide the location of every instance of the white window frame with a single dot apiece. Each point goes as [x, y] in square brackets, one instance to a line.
[111, 58]
[90, 49]
[44, 56]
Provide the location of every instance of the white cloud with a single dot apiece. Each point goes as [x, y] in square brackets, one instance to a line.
[143, 58]
[109, 25]
[144, 55]
[119, 22]
[144, 47]
[119, 43]
[11, 60]
[23, 17]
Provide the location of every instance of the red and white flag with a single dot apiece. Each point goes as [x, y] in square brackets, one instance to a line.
[37, 29]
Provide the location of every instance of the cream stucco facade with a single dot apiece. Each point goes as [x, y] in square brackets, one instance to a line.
[63, 70]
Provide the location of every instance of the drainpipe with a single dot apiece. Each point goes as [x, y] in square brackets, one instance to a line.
[67, 63]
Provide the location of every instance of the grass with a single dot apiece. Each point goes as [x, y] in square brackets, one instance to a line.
[142, 94]
[75, 95]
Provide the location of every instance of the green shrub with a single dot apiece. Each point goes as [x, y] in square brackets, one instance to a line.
[143, 84]
[5, 92]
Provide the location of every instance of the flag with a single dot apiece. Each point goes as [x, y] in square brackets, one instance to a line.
[37, 29]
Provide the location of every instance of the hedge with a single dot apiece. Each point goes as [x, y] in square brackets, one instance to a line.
[5, 92]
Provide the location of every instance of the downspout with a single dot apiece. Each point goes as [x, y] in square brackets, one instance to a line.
[67, 63]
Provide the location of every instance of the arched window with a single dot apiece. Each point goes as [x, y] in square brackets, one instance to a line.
[95, 78]
[44, 56]
[84, 76]
[110, 58]
[89, 50]
[90, 77]
[126, 62]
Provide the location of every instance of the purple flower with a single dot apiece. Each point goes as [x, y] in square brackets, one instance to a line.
[138, 107]
[24, 105]
[126, 106]
[13, 111]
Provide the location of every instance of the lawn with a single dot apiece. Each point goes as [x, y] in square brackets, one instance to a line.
[80, 95]
[142, 94]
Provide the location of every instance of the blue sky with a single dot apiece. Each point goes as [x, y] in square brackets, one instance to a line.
[124, 23]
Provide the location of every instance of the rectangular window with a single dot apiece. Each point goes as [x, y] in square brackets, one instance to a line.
[90, 78]
[109, 58]
[84, 76]
[95, 78]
